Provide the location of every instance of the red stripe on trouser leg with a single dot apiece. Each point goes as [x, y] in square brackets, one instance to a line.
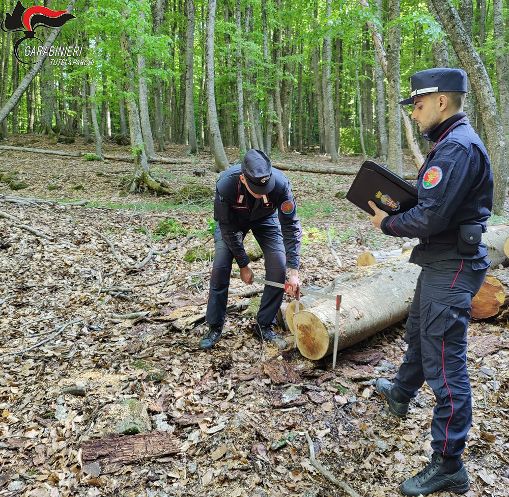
[450, 397]
[457, 273]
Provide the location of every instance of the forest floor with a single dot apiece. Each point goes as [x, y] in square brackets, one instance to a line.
[240, 430]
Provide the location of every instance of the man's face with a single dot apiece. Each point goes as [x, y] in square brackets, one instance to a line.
[244, 181]
[427, 111]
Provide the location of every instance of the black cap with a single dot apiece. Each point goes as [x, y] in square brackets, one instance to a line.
[257, 170]
[436, 80]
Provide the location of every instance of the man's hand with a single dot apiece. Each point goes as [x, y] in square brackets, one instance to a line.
[246, 275]
[379, 214]
[293, 282]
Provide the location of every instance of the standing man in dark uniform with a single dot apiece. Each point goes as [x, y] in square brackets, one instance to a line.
[455, 191]
[253, 196]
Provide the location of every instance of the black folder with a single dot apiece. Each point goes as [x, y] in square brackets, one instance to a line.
[389, 191]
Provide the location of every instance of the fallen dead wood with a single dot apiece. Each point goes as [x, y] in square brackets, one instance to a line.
[492, 296]
[64, 153]
[129, 448]
[25, 227]
[40, 201]
[303, 168]
[325, 472]
[58, 331]
[373, 298]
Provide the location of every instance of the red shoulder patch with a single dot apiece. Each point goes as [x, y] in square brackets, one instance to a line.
[288, 207]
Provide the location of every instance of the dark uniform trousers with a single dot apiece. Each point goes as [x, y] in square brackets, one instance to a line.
[267, 232]
[436, 333]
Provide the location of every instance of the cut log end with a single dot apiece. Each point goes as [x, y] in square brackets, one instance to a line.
[291, 310]
[488, 299]
[366, 259]
[311, 335]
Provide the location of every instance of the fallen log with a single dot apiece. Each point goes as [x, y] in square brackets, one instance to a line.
[373, 298]
[492, 296]
[304, 168]
[129, 448]
[65, 153]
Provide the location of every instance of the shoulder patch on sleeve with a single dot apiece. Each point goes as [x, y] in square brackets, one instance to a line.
[288, 207]
[432, 177]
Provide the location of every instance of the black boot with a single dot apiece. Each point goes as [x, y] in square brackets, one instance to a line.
[396, 400]
[440, 474]
[266, 333]
[211, 337]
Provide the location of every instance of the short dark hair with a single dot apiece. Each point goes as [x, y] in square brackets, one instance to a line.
[457, 98]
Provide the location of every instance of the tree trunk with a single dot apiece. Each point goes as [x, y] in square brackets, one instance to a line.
[6, 37]
[466, 14]
[362, 316]
[380, 100]
[382, 58]
[339, 92]
[269, 82]
[328, 107]
[319, 100]
[158, 93]
[277, 86]
[190, 125]
[300, 104]
[15, 82]
[216, 143]
[394, 153]
[359, 111]
[240, 87]
[481, 84]
[16, 95]
[146, 127]
[440, 49]
[502, 65]
[95, 122]
[84, 112]
[123, 122]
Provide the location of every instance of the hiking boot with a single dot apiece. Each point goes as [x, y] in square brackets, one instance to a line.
[440, 474]
[267, 334]
[397, 402]
[211, 337]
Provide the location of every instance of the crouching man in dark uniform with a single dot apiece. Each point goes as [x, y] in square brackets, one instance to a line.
[253, 196]
[455, 191]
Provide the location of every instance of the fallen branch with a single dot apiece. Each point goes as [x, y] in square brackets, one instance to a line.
[325, 472]
[25, 227]
[36, 201]
[153, 252]
[59, 330]
[129, 448]
[64, 153]
[130, 315]
[112, 248]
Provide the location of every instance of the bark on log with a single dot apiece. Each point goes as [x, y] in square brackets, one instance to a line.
[64, 153]
[373, 298]
[129, 448]
[360, 318]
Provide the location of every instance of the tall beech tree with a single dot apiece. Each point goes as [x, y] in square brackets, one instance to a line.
[481, 84]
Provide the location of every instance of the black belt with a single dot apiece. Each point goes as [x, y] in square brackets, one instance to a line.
[449, 237]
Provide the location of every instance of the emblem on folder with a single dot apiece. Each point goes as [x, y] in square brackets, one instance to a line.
[387, 201]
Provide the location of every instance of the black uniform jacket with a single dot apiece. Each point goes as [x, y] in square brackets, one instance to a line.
[236, 210]
[455, 187]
